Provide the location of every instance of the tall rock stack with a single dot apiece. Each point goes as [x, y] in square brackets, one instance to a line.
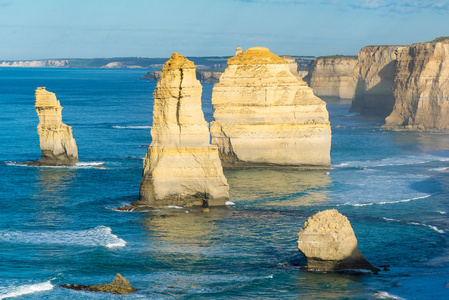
[57, 144]
[181, 166]
[266, 117]
[374, 76]
[421, 87]
[332, 76]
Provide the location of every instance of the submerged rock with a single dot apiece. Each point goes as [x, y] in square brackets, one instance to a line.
[181, 166]
[421, 88]
[57, 144]
[267, 117]
[328, 242]
[119, 285]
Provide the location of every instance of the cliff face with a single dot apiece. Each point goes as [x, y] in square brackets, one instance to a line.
[332, 76]
[58, 146]
[264, 116]
[201, 75]
[374, 76]
[181, 167]
[421, 88]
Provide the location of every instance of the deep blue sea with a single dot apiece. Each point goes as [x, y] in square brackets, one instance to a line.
[57, 224]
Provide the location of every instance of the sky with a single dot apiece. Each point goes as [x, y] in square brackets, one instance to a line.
[41, 29]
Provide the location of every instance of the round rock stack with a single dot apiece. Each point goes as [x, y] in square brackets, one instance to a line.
[266, 117]
[328, 242]
[181, 166]
[57, 144]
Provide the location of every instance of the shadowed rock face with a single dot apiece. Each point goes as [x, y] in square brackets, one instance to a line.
[266, 117]
[57, 144]
[119, 285]
[328, 242]
[181, 166]
[374, 76]
[421, 88]
[332, 76]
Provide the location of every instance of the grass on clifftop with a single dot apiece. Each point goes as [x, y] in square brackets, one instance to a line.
[440, 39]
[338, 56]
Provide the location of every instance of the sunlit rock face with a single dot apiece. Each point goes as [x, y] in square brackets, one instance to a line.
[374, 76]
[328, 242]
[421, 88]
[181, 166]
[57, 144]
[266, 117]
[332, 76]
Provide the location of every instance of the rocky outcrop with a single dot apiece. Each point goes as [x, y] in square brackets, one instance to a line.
[328, 242]
[58, 146]
[292, 64]
[421, 88]
[207, 76]
[374, 76]
[332, 76]
[266, 117]
[181, 166]
[238, 50]
[119, 285]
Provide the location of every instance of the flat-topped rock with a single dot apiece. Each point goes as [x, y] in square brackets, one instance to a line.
[267, 117]
[181, 166]
[58, 147]
[328, 242]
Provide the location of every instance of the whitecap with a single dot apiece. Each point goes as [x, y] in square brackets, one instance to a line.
[173, 206]
[444, 169]
[26, 290]
[442, 212]
[131, 127]
[416, 224]
[98, 236]
[385, 295]
[230, 203]
[78, 165]
[383, 202]
[392, 161]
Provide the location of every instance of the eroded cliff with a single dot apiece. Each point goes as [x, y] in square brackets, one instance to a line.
[57, 144]
[332, 76]
[421, 88]
[374, 76]
[265, 116]
[181, 166]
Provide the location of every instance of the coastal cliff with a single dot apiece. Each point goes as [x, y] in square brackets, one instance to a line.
[181, 166]
[57, 144]
[267, 117]
[421, 88]
[332, 76]
[374, 75]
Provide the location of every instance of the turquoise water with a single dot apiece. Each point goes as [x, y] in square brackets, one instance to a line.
[57, 225]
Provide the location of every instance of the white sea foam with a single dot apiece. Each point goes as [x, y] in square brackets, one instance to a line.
[442, 212]
[415, 223]
[383, 202]
[78, 165]
[393, 161]
[385, 295]
[98, 236]
[444, 169]
[173, 206]
[131, 127]
[27, 289]
[230, 203]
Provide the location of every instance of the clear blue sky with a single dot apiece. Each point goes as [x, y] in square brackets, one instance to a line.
[36, 29]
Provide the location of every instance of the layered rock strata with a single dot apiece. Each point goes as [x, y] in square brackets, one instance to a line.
[181, 166]
[58, 147]
[292, 64]
[374, 75]
[421, 88]
[328, 242]
[266, 117]
[332, 76]
[212, 76]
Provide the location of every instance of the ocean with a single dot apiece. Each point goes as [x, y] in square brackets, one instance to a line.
[58, 224]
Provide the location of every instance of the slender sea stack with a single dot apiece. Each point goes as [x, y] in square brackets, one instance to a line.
[267, 117]
[328, 242]
[181, 166]
[58, 146]
[421, 87]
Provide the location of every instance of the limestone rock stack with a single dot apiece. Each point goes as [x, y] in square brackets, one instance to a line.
[374, 76]
[265, 116]
[238, 50]
[181, 166]
[57, 144]
[328, 242]
[332, 76]
[292, 64]
[421, 88]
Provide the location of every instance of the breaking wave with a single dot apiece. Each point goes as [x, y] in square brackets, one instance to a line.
[394, 161]
[27, 289]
